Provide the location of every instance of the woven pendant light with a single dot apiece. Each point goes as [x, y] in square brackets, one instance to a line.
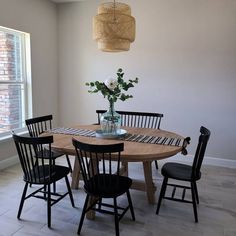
[114, 27]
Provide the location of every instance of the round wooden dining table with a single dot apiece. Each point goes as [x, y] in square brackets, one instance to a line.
[145, 153]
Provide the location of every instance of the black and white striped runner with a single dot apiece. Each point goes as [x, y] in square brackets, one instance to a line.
[72, 131]
[129, 137]
[153, 139]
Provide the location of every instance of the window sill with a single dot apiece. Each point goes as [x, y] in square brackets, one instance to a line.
[8, 137]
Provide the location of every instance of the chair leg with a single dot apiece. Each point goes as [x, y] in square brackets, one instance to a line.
[194, 201]
[54, 183]
[99, 203]
[22, 200]
[156, 164]
[162, 194]
[35, 164]
[116, 218]
[69, 191]
[130, 205]
[83, 214]
[68, 161]
[49, 205]
[45, 192]
[54, 187]
[196, 192]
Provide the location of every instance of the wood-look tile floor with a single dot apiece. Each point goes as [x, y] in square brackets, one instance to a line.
[217, 209]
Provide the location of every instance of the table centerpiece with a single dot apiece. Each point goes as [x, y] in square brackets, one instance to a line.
[113, 90]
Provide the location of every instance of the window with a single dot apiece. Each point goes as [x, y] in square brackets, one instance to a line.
[15, 80]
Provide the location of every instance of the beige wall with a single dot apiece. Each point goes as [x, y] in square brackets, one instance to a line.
[39, 18]
[184, 55]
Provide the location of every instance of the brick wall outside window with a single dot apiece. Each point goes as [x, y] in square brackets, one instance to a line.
[10, 94]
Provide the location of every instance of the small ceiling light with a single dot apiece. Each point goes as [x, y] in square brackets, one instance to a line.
[114, 27]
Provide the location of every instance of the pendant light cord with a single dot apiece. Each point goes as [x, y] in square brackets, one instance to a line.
[114, 11]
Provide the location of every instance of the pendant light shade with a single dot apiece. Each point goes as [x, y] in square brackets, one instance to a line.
[114, 27]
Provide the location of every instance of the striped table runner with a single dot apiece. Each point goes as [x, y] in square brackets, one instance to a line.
[153, 139]
[71, 131]
[129, 137]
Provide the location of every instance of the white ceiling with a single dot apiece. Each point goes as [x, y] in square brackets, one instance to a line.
[61, 1]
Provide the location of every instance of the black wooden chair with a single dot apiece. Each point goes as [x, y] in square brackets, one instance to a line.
[44, 173]
[37, 126]
[137, 119]
[185, 173]
[100, 166]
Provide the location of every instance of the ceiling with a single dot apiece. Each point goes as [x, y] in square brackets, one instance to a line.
[62, 1]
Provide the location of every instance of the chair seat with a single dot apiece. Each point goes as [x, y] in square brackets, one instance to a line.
[58, 172]
[178, 171]
[107, 186]
[46, 154]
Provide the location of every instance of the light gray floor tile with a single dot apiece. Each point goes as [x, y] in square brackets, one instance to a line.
[217, 209]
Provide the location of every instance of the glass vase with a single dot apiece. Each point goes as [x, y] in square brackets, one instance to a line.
[110, 121]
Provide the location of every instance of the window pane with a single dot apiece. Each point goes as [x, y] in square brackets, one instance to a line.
[11, 107]
[10, 57]
[15, 80]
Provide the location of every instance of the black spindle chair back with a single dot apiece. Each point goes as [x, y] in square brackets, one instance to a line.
[137, 119]
[200, 152]
[98, 169]
[38, 125]
[28, 149]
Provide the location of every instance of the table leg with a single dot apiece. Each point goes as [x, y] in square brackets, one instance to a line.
[150, 187]
[75, 174]
[91, 214]
[124, 168]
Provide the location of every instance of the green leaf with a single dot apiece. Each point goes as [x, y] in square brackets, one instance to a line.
[122, 97]
[97, 83]
[130, 85]
[120, 80]
[113, 95]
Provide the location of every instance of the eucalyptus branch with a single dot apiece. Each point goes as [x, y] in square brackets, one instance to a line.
[112, 88]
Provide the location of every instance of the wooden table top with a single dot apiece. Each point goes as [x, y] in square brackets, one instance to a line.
[133, 151]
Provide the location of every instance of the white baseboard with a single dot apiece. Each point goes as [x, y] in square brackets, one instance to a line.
[9, 162]
[179, 158]
[212, 161]
[220, 162]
